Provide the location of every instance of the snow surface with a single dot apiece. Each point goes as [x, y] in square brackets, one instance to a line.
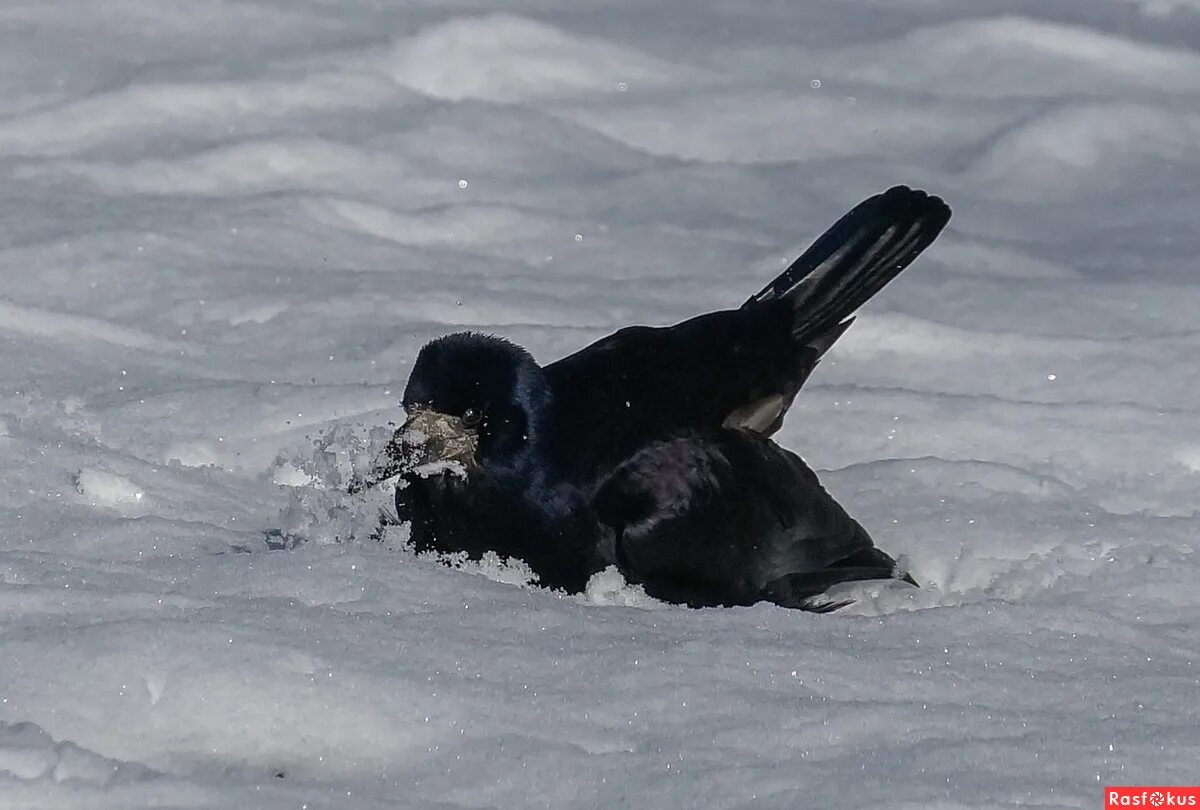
[229, 226]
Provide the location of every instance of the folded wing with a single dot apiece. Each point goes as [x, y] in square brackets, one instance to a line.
[729, 518]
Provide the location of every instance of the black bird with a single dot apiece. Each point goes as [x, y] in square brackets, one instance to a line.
[502, 454]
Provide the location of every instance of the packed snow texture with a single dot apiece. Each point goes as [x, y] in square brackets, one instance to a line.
[229, 226]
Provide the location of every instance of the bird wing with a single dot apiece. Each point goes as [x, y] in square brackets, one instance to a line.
[737, 368]
[859, 254]
[730, 518]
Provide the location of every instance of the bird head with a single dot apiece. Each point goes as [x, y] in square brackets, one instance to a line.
[477, 400]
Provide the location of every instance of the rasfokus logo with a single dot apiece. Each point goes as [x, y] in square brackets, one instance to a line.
[1142, 796]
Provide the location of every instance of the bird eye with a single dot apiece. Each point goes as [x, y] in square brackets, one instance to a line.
[471, 417]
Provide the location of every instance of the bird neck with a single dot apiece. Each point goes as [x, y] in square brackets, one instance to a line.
[521, 441]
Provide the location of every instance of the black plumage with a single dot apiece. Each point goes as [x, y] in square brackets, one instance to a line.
[740, 367]
[731, 518]
[557, 456]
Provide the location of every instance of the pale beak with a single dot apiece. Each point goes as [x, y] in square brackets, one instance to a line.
[429, 437]
[426, 444]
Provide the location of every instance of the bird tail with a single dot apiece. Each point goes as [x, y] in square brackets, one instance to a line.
[853, 260]
[802, 590]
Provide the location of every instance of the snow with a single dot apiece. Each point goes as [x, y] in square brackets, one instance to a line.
[229, 226]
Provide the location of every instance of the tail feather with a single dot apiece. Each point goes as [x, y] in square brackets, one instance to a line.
[854, 259]
[800, 590]
[803, 589]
